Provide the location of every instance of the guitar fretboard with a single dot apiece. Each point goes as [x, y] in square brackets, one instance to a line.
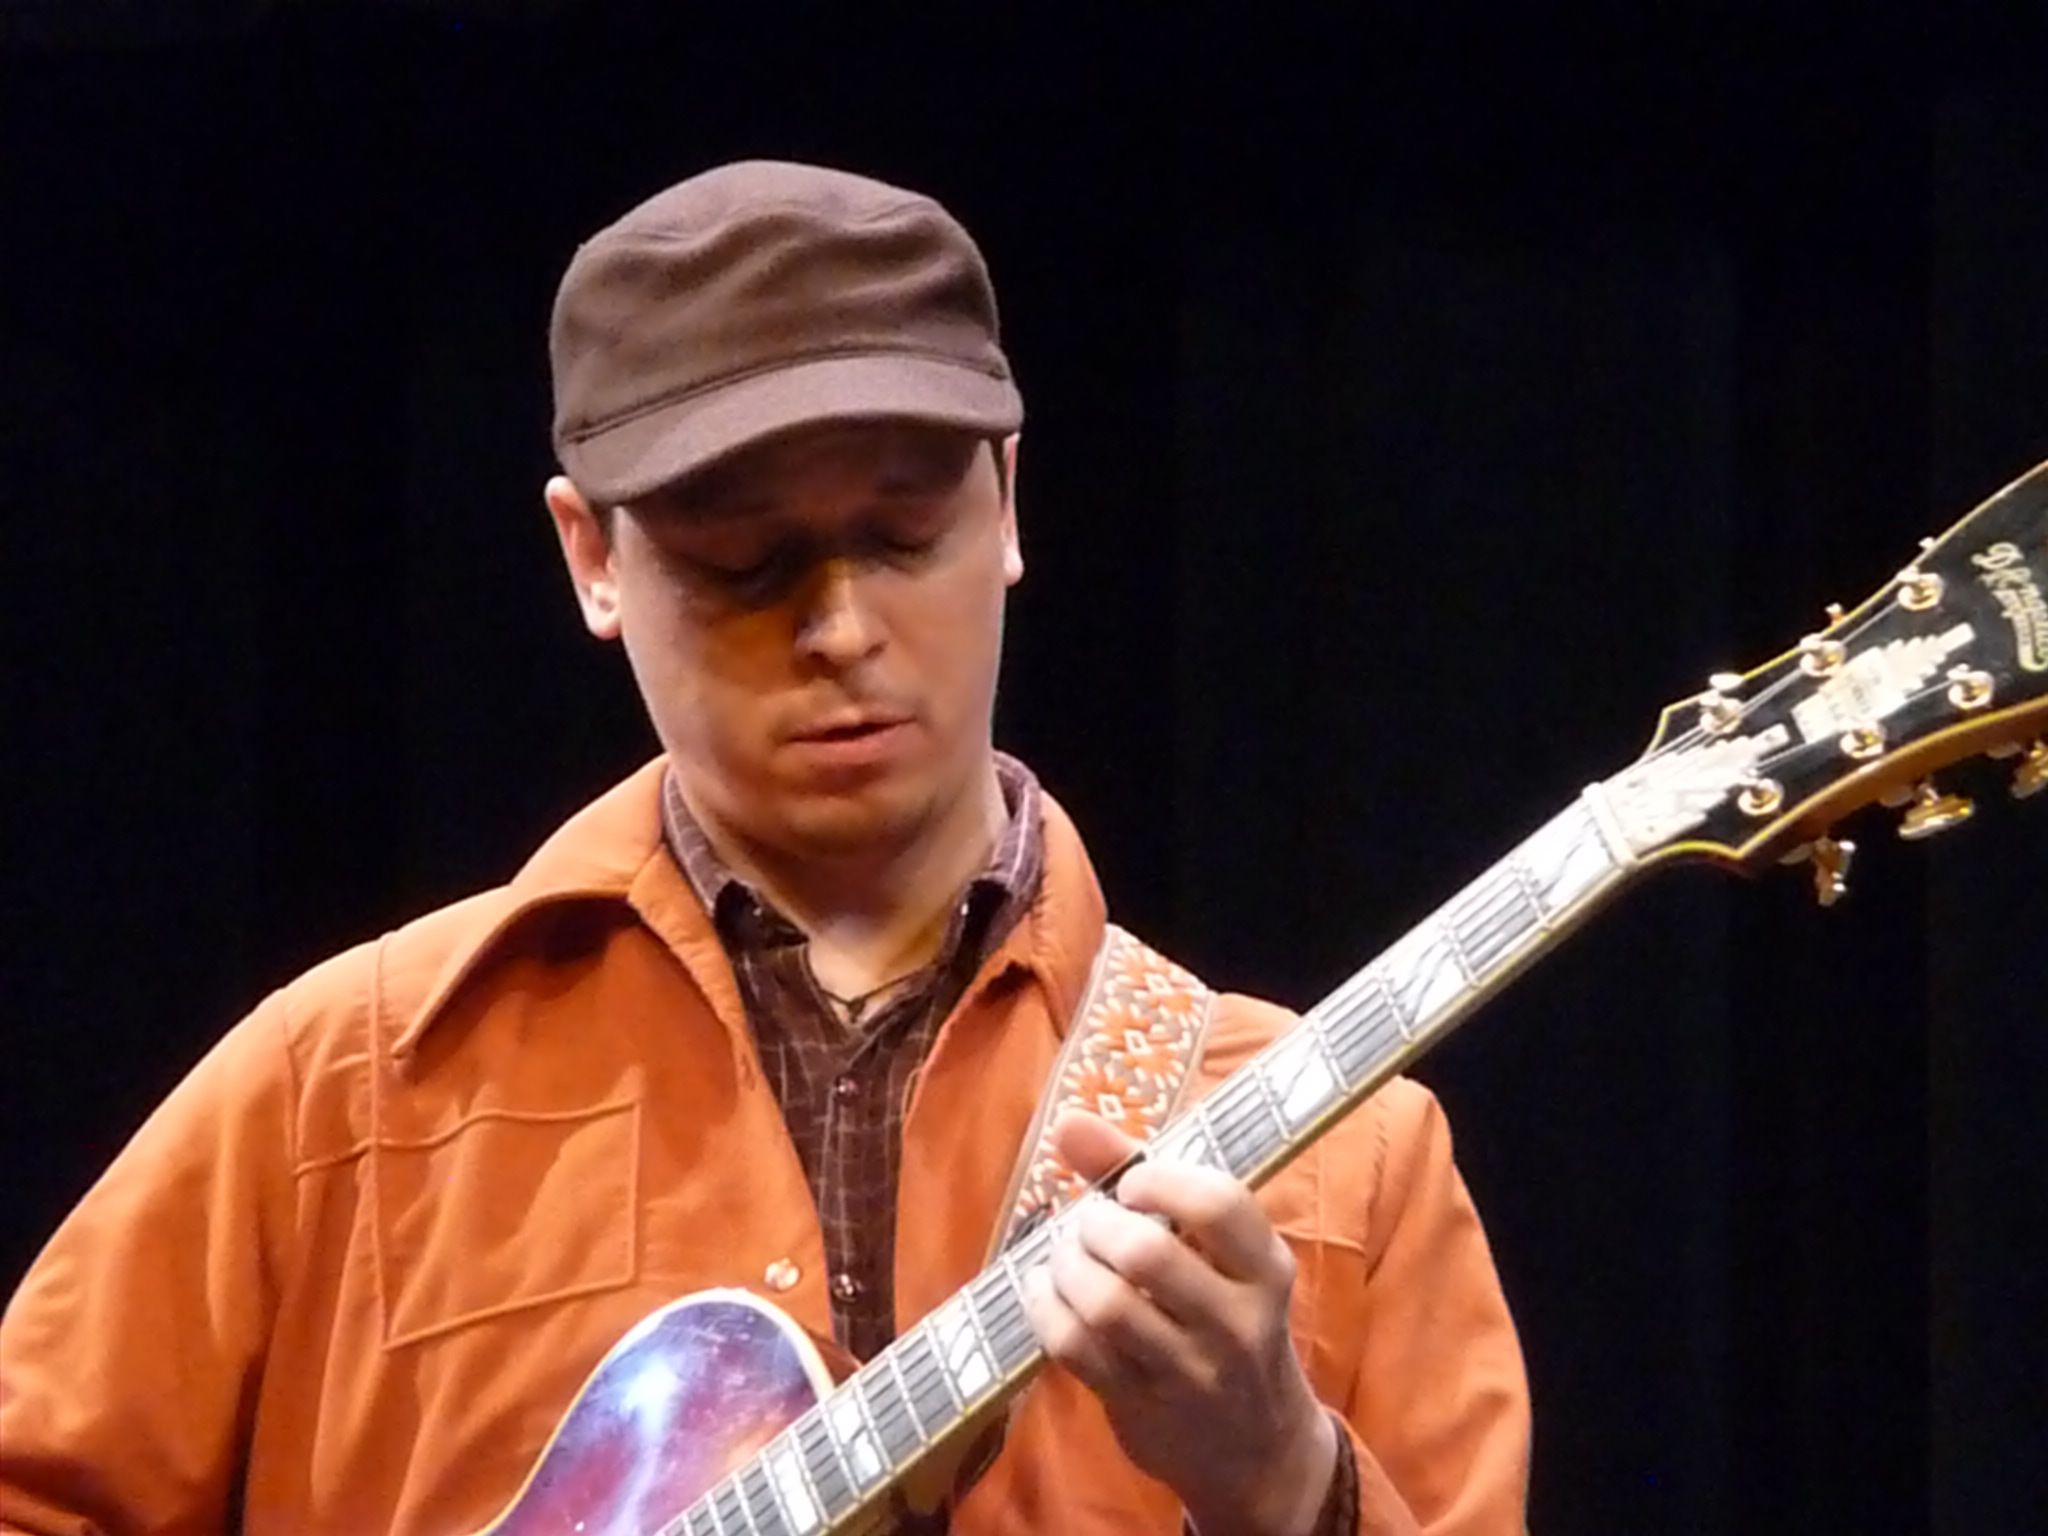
[838, 1459]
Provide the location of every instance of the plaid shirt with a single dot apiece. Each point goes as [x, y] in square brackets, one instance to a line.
[844, 1083]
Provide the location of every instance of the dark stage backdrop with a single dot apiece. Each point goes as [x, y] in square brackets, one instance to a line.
[1414, 408]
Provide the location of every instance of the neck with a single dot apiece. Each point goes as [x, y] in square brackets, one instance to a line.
[876, 914]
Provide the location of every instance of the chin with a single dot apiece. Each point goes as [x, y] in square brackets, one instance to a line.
[846, 824]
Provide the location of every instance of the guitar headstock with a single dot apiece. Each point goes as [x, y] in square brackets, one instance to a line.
[1949, 660]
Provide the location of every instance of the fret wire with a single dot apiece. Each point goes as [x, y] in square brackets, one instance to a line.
[1309, 1051]
[1233, 1108]
[1357, 996]
[1314, 1024]
[1431, 970]
[1300, 1076]
[830, 1462]
[870, 1434]
[1481, 916]
[1364, 1037]
[699, 1520]
[1399, 1014]
[757, 1493]
[993, 1291]
[894, 1365]
[1360, 1029]
[913, 1366]
[1235, 1136]
[1255, 1069]
[1246, 1149]
[1223, 1121]
[1203, 1126]
[1508, 924]
[1450, 943]
[1229, 1113]
[1525, 879]
[779, 1510]
[1476, 953]
[978, 1350]
[731, 1513]
[789, 1474]
[1257, 1140]
[1010, 1332]
[933, 1399]
[1492, 893]
[895, 1429]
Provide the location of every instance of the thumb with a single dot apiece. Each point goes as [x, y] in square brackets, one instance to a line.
[1089, 1144]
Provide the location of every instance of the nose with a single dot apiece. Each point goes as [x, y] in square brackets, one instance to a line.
[837, 625]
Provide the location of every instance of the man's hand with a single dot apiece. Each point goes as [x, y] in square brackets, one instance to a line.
[1182, 1332]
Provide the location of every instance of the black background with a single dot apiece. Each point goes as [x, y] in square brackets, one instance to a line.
[1418, 400]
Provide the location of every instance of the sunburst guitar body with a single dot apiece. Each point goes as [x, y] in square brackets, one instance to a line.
[681, 1403]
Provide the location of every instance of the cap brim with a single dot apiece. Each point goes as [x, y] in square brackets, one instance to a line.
[633, 458]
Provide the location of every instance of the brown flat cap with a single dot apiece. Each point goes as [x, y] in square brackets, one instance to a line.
[762, 296]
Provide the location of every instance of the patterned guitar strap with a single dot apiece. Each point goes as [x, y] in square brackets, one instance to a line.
[1128, 1055]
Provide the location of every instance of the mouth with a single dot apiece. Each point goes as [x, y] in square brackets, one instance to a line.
[851, 728]
[852, 750]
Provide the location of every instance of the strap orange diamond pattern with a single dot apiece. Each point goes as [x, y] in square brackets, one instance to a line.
[1127, 1056]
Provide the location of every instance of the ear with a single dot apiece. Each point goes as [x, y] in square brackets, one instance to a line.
[587, 551]
[1013, 551]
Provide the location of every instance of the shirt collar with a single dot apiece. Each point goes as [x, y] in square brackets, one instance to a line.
[991, 904]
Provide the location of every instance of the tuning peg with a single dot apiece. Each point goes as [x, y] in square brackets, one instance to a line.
[2031, 777]
[1919, 590]
[1831, 870]
[1932, 812]
[1969, 688]
[1821, 657]
[1719, 714]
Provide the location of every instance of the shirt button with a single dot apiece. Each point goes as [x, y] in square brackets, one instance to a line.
[845, 1287]
[846, 1087]
[782, 1276]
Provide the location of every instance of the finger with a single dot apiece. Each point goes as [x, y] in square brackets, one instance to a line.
[1067, 1340]
[1089, 1144]
[1215, 1214]
[1088, 1273]
[1179, 1283]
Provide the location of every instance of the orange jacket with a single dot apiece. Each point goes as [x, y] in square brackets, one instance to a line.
[354, 1269]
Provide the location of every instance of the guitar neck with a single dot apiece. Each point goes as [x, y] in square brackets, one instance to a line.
[832, 1469]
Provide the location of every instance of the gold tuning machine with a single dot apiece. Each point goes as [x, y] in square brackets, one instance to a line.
[1831, 870]
[2031, 777]
[1933, 811]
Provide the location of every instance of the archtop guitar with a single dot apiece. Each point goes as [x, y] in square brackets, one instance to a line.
[716, 1417]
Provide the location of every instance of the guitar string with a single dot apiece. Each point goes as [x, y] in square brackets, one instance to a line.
[1699, 735]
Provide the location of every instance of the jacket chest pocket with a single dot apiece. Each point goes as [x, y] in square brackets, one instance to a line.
[504, 1211]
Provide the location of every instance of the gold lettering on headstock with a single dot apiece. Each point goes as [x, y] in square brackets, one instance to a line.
[2006, 575]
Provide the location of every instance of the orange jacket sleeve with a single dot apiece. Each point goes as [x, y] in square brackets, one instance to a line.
[1440, 1413]
[129, 1358]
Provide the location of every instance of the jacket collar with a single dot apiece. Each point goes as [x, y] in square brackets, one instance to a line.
[612, 851]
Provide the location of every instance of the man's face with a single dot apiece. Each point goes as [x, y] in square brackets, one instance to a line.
[815, 625]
